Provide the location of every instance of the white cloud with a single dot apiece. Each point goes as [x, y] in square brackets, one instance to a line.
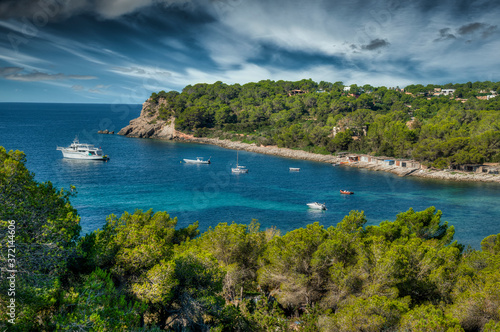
[35, 76]
[143, 72]
[100, 88]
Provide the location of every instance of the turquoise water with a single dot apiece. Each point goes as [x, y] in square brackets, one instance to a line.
[144, 174]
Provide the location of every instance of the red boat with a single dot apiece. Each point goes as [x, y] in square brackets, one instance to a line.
[346, 192]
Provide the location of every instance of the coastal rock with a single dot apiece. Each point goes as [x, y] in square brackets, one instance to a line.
[149, 125]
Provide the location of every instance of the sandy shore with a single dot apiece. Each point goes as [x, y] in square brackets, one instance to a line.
[299, 154]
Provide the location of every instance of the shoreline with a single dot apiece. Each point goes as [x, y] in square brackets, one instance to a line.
[456, 176]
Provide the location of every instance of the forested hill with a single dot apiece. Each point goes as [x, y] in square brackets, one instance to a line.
[436, 125]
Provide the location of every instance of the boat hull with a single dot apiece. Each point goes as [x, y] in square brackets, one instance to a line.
[82, 156]
[192, 161]
[316, 206]
[239, 170]
[345, 192]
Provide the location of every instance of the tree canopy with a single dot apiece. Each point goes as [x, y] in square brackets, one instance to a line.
[438, 130]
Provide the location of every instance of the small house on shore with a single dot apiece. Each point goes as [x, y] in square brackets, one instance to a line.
[407, 163]
[366, 159]
[352, 158]
[477, 168]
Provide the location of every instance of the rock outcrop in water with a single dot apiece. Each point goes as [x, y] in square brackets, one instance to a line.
[149, 124]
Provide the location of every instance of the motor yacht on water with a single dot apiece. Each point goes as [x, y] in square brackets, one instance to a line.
[83, 151]
[317, 206]
[198, 160]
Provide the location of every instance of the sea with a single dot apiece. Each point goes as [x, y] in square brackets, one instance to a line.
[150, 174]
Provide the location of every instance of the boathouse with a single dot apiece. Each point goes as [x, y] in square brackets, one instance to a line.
[477, 168]
[407, 163]
[366, 159]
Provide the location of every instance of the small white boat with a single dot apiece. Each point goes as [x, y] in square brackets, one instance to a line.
[239, 169]
[294, 169]
[198, 160]
[83, 151]
[317, 206]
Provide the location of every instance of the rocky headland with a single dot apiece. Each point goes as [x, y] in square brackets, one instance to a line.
[149, 125]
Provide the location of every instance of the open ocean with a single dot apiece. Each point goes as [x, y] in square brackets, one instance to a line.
[148, 174]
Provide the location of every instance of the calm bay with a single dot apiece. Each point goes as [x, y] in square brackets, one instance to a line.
[144, 174]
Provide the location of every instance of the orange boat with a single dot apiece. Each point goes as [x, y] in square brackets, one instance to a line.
[346, 192]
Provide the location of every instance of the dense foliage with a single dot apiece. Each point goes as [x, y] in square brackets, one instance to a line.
[140, 273]
[439, 130]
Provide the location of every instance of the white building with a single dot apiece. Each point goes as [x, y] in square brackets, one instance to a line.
[448, 92]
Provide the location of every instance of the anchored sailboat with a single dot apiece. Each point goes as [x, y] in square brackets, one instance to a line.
[239, 168]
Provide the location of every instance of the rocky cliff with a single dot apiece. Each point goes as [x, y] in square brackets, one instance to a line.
[149, 125]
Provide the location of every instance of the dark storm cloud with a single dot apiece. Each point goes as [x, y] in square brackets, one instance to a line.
[55, 10]
[167, 44]
[445, 34]
[471, 28]
[48, 10]
[484, 29]
[376, 44]
[490, 30]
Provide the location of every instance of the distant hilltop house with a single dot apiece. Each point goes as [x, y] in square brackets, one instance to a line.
[488, 97]
[296, 92]
[442, 92]
[344, 124]
[492, 94]
[347, 88]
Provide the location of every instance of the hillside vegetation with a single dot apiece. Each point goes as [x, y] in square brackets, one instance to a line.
[142, 273]
[419, 122]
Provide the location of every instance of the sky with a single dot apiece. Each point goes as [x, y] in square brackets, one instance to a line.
[120, 51]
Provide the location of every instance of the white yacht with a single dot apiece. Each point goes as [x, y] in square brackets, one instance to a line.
[84, 151]
[239, 169]
[317, 206]
[198, 160]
